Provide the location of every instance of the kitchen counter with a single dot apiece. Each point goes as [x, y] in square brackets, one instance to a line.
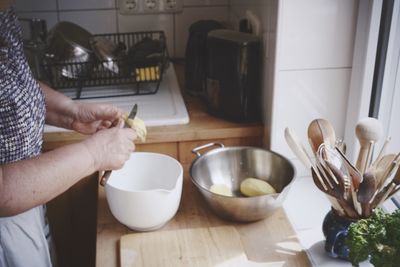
[266, 242]
[269, 242]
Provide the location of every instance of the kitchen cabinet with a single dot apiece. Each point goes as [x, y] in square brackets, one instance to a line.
[72, 219]
[75, 214]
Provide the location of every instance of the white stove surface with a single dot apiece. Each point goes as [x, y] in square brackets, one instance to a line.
[166, 107]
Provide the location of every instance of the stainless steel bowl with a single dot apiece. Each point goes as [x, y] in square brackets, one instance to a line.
[230, 166]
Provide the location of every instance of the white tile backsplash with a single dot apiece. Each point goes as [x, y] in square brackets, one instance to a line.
[247, 3]
[315, 40]
[162, 22]
[50, 17]
[187, 17]
[102, 16]
[95, 21]
[319, 33]
[35, 5]
[86, 4]
[304, 95]
[204, 2]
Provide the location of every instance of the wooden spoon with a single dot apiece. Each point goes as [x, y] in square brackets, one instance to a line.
[321, 134]
[380, 166]
[368, 131]
[382, 151]
[365, 193]
[387, 169]
[342, 190]
[320, 131]
[387, 190]
[297, 148]
[301, 153]
[331, 194]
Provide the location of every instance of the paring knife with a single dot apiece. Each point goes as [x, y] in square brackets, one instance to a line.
[132, 114]
[107, 173]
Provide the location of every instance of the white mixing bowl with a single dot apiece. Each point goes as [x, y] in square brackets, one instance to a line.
[145, 194]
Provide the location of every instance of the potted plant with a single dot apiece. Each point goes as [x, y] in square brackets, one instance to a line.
[376, 238]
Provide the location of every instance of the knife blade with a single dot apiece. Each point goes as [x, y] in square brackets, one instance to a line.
[133, 112]
[131, 115]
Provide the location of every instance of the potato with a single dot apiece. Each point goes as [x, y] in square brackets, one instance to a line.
[221, 189]
[251, 187]
[138, 125]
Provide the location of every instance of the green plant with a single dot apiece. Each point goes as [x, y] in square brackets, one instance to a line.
[377, 237]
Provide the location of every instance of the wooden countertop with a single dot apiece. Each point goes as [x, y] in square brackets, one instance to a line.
[271, 241]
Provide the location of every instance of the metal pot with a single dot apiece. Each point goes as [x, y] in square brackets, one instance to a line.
[230, 166]
[69, 49]
[109, 53]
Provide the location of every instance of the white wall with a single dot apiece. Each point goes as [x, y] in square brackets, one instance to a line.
[102, 16]
[314, 52]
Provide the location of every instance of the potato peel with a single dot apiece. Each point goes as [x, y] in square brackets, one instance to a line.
[138, 125]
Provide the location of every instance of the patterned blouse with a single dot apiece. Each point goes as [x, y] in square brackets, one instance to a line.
[22, 106]
[22, 117]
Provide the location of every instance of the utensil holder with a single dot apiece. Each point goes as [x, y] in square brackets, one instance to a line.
[335, 229]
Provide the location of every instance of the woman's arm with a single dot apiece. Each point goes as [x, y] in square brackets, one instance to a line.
[61, 111]
[28, 183]
[58, 107]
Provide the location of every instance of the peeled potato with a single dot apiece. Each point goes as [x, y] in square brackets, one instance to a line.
[138, 125]
[221, 189]
[251, 187]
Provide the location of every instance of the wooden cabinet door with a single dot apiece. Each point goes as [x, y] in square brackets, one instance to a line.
[72, 217]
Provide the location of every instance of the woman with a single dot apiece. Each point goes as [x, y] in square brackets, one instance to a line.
[29, 179]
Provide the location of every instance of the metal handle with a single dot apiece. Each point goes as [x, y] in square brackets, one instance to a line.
[104, 178]
[197, 149]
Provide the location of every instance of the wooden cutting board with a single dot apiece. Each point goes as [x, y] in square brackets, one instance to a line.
[201, 247]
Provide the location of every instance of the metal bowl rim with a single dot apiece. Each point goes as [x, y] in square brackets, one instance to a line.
[216, 150]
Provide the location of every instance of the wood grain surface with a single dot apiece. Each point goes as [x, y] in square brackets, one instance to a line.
[269, 242]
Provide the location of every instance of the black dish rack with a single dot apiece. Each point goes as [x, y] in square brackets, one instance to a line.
[142, 77]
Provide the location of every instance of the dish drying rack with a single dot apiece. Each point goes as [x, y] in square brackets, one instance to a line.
[141, 78]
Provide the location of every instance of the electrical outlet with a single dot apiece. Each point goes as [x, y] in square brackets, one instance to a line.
[151, 6]
[127, 7]
[172, 5]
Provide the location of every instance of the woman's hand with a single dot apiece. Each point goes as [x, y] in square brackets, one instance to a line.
[90, 118]
[84, 118]
[110, 148]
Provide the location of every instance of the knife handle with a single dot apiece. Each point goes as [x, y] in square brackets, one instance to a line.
[104, 178]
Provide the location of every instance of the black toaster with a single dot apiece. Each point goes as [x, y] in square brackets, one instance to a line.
[233, 75]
